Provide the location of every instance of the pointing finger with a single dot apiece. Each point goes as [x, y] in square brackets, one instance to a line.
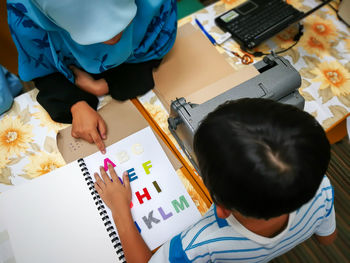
[98, 141]
[102, 128]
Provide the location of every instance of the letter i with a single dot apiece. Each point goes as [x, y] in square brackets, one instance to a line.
[155, 184]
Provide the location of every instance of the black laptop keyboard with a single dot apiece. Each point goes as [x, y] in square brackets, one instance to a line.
[262, 23]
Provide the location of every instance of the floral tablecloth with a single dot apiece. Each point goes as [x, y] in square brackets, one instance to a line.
[27, 142]
[28, 147]
[28, 136]
[322, 56]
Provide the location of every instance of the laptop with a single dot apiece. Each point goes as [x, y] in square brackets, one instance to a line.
[255, 21]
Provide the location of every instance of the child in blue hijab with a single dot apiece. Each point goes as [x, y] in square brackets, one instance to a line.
[77, 50]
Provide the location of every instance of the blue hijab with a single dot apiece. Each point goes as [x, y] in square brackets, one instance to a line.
[44, 47]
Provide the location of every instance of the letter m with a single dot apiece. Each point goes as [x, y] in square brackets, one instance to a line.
[180, 205]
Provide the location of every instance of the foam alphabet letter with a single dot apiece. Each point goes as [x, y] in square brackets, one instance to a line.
[155, 184]
[132, 175]
[106, 161]
[145, 194]
[146, 166]
[122, 157]
[177, 206]
[137, 226]
[163, 214]
[148, 220]
[137, 149]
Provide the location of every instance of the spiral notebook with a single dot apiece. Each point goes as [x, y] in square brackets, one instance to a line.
[59, 217]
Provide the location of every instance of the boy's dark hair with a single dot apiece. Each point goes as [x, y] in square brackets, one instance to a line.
[260, 157]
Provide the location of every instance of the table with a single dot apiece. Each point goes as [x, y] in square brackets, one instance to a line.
[28, 147]
[322, 57]
[28, 136]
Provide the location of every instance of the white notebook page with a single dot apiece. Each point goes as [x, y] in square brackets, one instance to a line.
[53, 219]
[156, 215]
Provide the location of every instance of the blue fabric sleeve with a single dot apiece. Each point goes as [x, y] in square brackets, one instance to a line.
[171, 251]
[32, 44]
[176, 252]
[10, 86]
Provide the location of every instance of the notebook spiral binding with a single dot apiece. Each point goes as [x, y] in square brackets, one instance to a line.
[102, 211]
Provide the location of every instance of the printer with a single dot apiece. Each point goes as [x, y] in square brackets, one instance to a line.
[278, 80]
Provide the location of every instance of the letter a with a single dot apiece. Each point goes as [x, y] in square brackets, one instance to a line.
[106, 161]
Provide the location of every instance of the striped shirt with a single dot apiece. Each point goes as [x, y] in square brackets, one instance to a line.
[213, 239]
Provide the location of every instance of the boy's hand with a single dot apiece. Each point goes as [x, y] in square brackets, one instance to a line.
[88, 125]
[115, 195]
[118, 197]
[87, 83]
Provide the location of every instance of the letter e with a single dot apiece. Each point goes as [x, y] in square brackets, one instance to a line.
[132, 175]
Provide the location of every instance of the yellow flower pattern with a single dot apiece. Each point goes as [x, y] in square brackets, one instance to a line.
[201, 205]
[313, 44]
[3, 161]
[333, 76]
[14, 136]
[320, 27]
[46, 121]
[5, 176]
[347, 44]
[42, 163]
[285, 38]
[231, 3]
[296, 3]
[159, 115]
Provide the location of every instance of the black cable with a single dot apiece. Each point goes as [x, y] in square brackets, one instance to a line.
[331, 6]
[339, 17]
[296, 39]
[335, 10]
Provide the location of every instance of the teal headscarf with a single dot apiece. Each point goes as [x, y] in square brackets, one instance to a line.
[50, 35]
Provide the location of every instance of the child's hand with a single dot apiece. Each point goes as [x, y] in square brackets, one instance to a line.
[118, 197]
[88, 125]
[115, 195]
[87, 83]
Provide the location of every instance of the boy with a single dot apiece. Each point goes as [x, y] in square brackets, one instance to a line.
[263, 163]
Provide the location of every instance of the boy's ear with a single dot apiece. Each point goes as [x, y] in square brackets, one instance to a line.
[222, 212]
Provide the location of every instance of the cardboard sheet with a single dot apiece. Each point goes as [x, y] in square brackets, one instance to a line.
[122, 119]
[194, 69]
